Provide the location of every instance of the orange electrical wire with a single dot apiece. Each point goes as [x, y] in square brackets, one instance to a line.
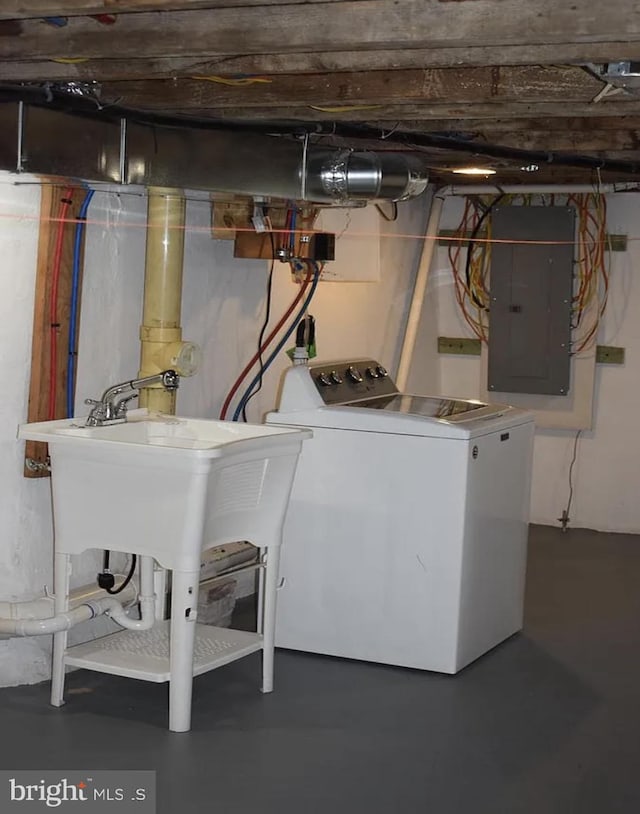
[592, 277]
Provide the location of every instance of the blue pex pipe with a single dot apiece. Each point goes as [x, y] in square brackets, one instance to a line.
[75, 285]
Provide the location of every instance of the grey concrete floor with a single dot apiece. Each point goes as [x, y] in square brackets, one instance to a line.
[547, 722]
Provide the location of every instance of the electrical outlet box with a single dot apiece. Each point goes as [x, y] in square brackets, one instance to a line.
[460, 345]
[322, 247]
[609, 355]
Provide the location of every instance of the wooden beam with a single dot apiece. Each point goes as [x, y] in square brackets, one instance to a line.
[25, 9]
[590, 140]
[391, 116]
[578, 141]
[352, 26]
[552, 125]
[447, 85]
[114, 69]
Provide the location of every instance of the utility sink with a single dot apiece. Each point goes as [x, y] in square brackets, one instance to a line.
[167, 486]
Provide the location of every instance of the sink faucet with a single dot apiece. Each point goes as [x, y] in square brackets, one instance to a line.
[111, 408]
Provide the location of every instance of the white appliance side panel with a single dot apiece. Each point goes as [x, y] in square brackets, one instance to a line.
[495, 540]
[372, 549]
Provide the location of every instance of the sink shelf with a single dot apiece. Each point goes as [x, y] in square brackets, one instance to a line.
[145, 654]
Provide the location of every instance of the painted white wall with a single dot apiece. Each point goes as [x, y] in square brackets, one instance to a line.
[223, 308]
[607, 470]
[25, 547]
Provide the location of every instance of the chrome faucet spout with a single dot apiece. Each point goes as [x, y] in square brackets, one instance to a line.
[111, 408]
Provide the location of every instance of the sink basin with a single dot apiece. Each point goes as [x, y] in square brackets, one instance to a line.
[155, 429]
[167, 486]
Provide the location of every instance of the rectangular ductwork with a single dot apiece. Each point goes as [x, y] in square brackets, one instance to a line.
[49, 142]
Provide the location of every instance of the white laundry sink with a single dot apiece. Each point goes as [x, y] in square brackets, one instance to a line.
[167, 486]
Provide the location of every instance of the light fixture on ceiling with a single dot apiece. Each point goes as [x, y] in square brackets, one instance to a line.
[485, 171]
[530, 168]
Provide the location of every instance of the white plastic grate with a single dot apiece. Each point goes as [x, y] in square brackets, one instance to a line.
[145, 654]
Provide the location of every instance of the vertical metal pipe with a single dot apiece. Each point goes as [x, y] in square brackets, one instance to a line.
[160, 328]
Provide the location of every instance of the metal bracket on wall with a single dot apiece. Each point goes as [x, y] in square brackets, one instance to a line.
[459, 345]
[609, 355]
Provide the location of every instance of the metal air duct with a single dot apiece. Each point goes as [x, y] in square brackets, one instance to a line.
[50, 142]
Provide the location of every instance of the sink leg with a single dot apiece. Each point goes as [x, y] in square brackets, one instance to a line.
[62, 567]
[184, 604]
[270, 586]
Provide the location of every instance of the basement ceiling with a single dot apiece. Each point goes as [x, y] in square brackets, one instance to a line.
[540, 91]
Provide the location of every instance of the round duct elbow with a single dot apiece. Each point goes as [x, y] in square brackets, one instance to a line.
[347, 176]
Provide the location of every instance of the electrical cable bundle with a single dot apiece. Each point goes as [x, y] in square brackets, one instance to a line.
[592, 277]
[471, 290]
[471, 277]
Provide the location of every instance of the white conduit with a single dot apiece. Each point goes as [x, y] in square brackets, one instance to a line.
[419, 289]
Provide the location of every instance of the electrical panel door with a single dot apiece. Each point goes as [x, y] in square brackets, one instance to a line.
[531, 290]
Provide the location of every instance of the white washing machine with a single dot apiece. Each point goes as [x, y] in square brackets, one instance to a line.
[405, 541]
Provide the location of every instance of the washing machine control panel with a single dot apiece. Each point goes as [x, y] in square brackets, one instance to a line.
[343, 382]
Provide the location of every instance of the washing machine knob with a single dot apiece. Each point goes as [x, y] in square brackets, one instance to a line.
[372, 373]
[324, 379]
[354, 374]
[382, 371]
[335, 377]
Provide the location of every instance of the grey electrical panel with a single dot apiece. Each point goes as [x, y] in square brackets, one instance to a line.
[531, 291]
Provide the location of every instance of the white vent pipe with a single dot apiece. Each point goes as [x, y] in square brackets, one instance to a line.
[419, 291]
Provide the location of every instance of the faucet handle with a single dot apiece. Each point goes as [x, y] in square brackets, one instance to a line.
[121, 405]
[93, 402]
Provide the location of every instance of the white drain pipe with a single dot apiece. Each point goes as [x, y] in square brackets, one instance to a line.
[35, 618]
[63, 621]
[42, 608]
[147, 601]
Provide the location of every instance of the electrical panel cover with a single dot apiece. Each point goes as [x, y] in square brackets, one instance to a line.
[531, 291]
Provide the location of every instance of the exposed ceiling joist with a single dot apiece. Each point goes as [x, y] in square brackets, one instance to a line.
[371, 88]
[395, 115]
[25, 9]
[496, 72]
[575, 125]
[114, 69]
[354, 26]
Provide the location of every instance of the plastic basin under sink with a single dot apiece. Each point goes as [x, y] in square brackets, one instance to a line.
[167, 486]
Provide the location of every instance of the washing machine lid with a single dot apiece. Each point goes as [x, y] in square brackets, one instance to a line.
[359, 395]
[395, 418]
[432, 407]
